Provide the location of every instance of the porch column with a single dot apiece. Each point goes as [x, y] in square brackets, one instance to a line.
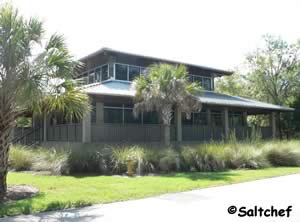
[178, 121]
[208, 113]
[99, 113]
[86, 128]
[273, 122]
[245, 118]
[210, 130]
[226, 122]
[45, 127]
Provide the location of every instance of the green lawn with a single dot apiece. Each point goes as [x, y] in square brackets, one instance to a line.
[58, 192]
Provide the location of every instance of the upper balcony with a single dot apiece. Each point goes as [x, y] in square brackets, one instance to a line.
[126, 72]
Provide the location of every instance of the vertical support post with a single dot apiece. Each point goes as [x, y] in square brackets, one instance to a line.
[226, 122]
[86, 128]
[178, 121]
[210, 129]
[245, 124]
[45, 127]
[273, 120]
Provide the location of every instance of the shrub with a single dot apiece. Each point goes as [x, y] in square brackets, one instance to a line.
[20, 158]
[188, 158]
[90, 158]
[244, 156]
[210, 158]
[168, 160]
[55, 161]
[283, 156]
[207, 157]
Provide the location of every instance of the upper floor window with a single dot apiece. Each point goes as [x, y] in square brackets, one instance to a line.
[205, 82]
[97, 74]
[121, 71]
[127, 72]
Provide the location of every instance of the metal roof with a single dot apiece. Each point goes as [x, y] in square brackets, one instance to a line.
[105, 49]
[126, 89]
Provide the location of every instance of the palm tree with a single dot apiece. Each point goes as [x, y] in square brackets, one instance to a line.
[33, 78]
[163, 88]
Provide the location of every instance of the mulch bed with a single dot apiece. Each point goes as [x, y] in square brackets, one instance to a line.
[18, 192]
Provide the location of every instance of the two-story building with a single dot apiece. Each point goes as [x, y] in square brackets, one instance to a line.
[107, 79]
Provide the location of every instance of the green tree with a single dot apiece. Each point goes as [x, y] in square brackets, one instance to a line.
[273, 73]
[235, 85]
[38, 83]
[164, 88]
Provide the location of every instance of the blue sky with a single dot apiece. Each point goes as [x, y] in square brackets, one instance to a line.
[213, 33]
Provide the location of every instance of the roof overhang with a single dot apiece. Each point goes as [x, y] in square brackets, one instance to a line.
[109, 50]
[126, 89]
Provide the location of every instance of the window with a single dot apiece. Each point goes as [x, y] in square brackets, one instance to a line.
[216, 118]
[129, 117]
[104, 72]
[236, 119]
[121, 71]
[150, 118]
[143, 70]
[207, 83]
[196, 119]
[134, 71]
[198, 79]
[113, 115]
[98, 75]
[200, 118]
[91, 77]
[185, 120]
[93, 111]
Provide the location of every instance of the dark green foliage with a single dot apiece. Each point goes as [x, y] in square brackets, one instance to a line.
[283, 157]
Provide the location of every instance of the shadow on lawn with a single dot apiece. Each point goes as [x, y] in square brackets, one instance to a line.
[26, 206]
[213, 176]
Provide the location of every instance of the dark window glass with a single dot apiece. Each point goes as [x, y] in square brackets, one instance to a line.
[121, 72]
[117, 105]
[173, 118]
[197, 79]
[91, 77]
[134, 71]
[150, 118]
[200, 118]
[190, 78]
[113, 115]
[216, 118]
[129, 118]
[143, 71]
[236, 119]
[98, 75]
[93, 111]
[187, 121]
[207, 83]
[104, 72]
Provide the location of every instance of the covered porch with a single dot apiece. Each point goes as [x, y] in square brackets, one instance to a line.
[111, 119]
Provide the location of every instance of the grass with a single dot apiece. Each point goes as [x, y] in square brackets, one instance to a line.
[59, 192]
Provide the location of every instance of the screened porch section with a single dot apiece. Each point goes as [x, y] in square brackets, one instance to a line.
[114, 122]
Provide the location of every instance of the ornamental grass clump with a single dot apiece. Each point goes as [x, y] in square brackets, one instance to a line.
[239, 156]
[283, 156]
[20, 158]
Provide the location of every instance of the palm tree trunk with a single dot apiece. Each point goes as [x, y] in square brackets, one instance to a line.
[6, 127]
[167, 137]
